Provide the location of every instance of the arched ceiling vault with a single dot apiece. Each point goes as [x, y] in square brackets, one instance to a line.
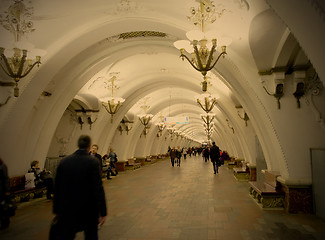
[87, 42]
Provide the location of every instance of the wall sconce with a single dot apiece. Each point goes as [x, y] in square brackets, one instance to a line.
[127, 125]
[89, 114]
[245, 117]
[120, 129]
[300, 91]
[233, 130]
[278, 93]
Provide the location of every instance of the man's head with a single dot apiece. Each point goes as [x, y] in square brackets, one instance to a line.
[84, 142]
[94, 149]
[213, 143]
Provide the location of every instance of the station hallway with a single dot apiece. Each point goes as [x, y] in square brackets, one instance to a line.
[159, 202]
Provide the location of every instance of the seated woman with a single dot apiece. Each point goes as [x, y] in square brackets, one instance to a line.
[113, 159]
[42, 178]
[110, 171]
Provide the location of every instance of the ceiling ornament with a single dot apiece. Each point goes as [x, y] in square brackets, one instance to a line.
[17, 19]
[202, 45]
[113, 103]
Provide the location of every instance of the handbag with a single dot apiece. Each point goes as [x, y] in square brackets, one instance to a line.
[54, 232]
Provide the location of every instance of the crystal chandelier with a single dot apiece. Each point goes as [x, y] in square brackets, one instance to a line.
[17, 64]
[207, 118]
[208, 124]
[161, 127]
[113, 103]
[206, 102]
[145, 118]
[202, 45]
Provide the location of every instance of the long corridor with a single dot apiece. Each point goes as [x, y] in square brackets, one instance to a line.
[160, 202]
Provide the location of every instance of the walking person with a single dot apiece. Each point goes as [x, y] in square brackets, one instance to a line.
[172, 154]
[4, 195]
[178, 156]
[79, 198]
[184, 151]
[214, 156]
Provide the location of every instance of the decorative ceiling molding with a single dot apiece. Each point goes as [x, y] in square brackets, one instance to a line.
[17, 19]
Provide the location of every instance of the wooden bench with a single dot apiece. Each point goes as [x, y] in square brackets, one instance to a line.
[120, 165]
[140, 160]
[268, 193]
[151, 159]
[131, 162]
[234, 163]
[20, 194]
[241, 173]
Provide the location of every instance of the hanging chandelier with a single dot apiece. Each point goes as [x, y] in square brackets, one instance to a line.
[206, 102]
[202, 45]
[161, 127]
[145, 118]
[17, 66]
[207, 118]
[113, 103]
[14, 60]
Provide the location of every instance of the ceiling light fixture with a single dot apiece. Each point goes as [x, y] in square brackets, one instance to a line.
[113, 103]
[202, 45]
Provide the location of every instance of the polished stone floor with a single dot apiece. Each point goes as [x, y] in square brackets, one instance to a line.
[160, 202]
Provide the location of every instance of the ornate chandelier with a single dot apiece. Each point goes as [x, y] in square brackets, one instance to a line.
[206, 102]
[113, 103]
[207, 118]
[208, 124]
[145, 118]
[16, 64]
[161, 127]
[202, 45]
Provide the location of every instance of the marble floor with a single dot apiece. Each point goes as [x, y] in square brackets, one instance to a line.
[160, 202]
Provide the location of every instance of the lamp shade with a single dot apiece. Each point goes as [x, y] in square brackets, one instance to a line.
[115, 99]
[195, 35]
[182, 44]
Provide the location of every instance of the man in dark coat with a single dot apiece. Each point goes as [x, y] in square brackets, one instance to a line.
[172, 154]
[94, 152]
[214, 156]
[79, 198]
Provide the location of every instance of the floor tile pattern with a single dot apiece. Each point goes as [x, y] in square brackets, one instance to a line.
[161, 202]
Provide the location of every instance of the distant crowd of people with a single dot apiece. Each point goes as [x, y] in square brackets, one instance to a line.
[213, 153]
